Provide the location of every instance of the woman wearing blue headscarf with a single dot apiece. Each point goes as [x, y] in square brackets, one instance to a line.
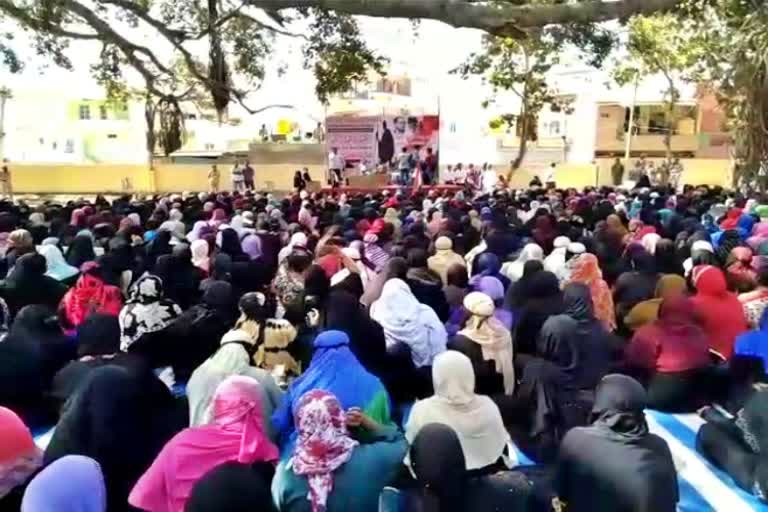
[488, 265]
[334, 368]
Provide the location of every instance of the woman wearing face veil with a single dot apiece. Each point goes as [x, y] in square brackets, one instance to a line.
[616, 464]
[437, 461]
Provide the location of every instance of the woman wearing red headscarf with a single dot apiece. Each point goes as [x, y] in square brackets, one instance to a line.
[90, 295]
[672, 353]
[720, 311]
[740, 275]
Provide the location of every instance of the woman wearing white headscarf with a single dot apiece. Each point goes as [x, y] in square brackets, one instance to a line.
[514, 269]
[298, 240]
[488, 345]
[57, 266]
[405, 320]
[697, 247]
[556, 260]
[232, 358]
[475, 418]
[201, 255]
[649, 242]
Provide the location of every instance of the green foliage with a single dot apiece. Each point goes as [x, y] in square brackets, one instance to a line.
[521, 65]
[659, 45]
[734, 42]
[337, 53]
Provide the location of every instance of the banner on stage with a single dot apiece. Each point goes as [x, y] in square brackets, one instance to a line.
[372, 140]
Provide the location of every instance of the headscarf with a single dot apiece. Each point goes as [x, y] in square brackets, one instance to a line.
[555, 262]
[58, 269]
[80, 250]
[335, 369]
[235, 434]
[494, 339]
[475, 418]
[739, 269]
[231, 487]
[91, 295]
[146, 311]
[19, 457]
[649, 242]
[586, 270]
[323, 444]
[444, 257]
[201, 255]
[373, 253]
[71, 484]
[619, 407]
[405, 320]
[755, 343]
[488, 264]
[298, 241]
[439, 465]
[722, 315]
[646, 312]
[21, 240]
[252, 246]
[514, 269]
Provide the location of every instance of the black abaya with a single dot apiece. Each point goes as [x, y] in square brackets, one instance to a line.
[616, 465]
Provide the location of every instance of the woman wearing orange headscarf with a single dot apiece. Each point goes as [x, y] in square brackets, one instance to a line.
[586, 270]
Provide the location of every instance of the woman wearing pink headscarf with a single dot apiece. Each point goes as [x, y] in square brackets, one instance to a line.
[328, 470]
[236, 434]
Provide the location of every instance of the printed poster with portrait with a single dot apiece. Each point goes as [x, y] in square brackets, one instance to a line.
[373, 140]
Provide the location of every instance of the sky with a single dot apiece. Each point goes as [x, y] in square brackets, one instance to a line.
[427, 53]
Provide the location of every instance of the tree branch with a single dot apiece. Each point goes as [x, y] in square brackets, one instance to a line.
[492, 17]
[22, 15]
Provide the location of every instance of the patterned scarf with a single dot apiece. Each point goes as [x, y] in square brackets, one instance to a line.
[323, 444]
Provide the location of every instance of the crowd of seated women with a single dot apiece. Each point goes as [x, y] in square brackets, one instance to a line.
[385, 352]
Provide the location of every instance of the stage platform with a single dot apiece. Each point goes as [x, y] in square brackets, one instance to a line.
[392, 189]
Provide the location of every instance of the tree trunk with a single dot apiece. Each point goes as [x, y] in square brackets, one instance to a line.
[151, 138]
[672, 92]
[523, 148]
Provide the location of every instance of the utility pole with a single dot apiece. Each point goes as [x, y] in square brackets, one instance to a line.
[5, 95]
[631, 124]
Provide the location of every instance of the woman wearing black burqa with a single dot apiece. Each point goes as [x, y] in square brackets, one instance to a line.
[80, 251]
[616, 464]
[181, 278]
[118, 419]
[98, 344]
[444, 485]
[27, 284]
[196, 334]
[31, 354]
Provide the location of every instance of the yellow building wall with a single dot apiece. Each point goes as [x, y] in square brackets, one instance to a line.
[92, 179]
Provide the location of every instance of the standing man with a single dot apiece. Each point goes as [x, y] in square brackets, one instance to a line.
[319, 133]
[248, 176]
[213, 179]
[430, 164]
[264, 133]
[386, 144]
[404, 166]
[617, 172]
[336, 164]
[5, 179]
[238, 181]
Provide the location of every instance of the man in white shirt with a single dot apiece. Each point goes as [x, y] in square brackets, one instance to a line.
[336, 164]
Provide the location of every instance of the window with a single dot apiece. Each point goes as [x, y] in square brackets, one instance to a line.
[84, 112]
[69, 146]
[102, 112]
[112, 136]
[55, 145]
